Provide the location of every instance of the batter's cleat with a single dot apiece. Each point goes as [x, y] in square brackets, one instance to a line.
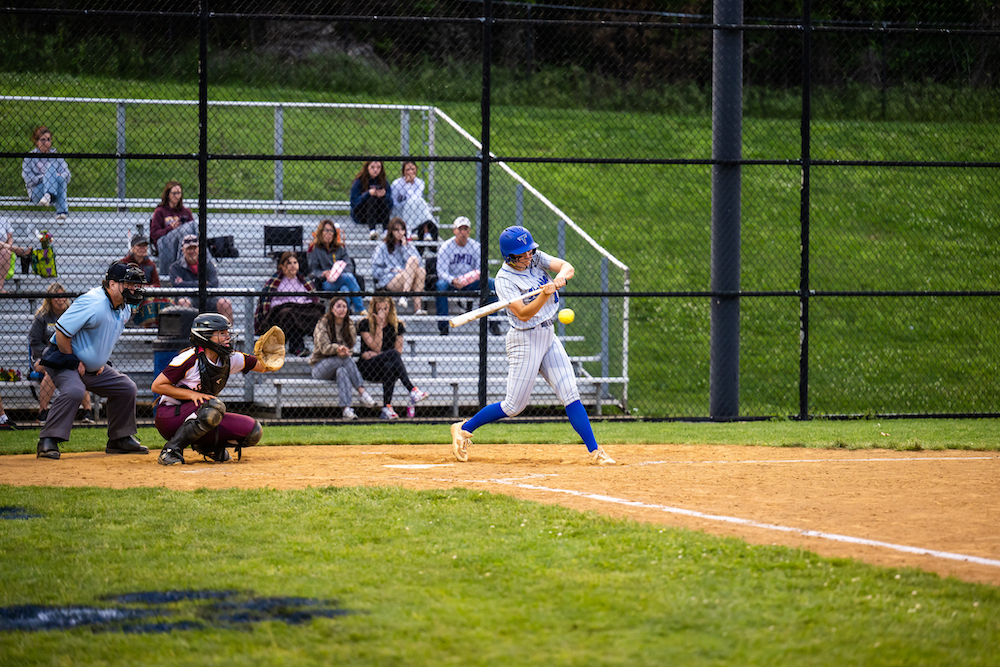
[367, 400]
[127, 445]
[48, 448]
[416, 396]
[170, 457]
[349, 413]
[388, 413]
[601, 458]
[460, 441]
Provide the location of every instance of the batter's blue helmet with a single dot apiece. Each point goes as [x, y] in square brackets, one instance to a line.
[515, 241]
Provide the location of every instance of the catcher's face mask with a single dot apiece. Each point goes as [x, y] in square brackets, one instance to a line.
[211, 331]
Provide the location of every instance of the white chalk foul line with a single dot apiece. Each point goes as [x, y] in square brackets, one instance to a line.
[755, 524]
[879, 460]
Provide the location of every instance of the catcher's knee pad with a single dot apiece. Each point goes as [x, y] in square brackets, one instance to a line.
[211, 412]
[254, 436]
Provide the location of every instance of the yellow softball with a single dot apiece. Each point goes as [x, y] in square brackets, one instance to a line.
[566, 315]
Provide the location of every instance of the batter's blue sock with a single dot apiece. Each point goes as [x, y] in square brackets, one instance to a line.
[580, 422]
[488, 415]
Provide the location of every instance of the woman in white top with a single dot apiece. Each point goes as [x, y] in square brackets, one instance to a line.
[396, 266]
[409, 204]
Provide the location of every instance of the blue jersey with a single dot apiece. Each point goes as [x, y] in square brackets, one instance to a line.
[511, 284]
[94, 326]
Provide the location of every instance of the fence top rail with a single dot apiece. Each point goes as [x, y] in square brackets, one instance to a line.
[218, 103]
[542, 198]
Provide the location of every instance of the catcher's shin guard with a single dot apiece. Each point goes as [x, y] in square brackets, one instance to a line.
[251, 439]
[207, 417]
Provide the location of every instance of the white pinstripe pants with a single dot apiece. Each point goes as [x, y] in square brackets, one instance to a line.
[528, 353]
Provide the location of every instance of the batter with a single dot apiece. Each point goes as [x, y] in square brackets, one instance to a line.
[532, 346]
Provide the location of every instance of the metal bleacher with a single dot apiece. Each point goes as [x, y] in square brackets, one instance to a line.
[445, 366]
[98, 228]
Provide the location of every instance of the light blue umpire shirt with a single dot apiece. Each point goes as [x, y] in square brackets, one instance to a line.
[94, 326]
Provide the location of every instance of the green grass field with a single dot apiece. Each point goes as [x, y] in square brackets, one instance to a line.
[885, 228]
[462, 577]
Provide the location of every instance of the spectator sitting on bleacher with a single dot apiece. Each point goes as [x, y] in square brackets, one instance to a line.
[6, 423]
[330, 267]
[296, 315]
[46, 176]
[171, 222]
[396, 266]
[333, 345]
[382, 354]
[138, 254]
[8, 252]
[409, 204]
[43, 327]
[371, 198]
[148, 312]
[184, 273]
[458, 268]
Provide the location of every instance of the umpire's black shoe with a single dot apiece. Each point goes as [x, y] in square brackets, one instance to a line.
[126, 445]
[48, 448]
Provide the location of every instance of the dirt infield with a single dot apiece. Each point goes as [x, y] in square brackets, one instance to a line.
[937, 511]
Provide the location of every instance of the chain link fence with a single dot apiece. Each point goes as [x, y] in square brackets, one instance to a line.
[826, 245]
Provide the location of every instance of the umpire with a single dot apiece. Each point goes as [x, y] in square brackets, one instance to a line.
[77, 359]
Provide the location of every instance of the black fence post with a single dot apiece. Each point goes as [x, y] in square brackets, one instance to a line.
[804, 212]
[727, 139]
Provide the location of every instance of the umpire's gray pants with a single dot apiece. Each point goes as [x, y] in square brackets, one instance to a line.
[119, 389]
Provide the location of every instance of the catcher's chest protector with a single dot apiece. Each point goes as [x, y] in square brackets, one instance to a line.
[213, 378]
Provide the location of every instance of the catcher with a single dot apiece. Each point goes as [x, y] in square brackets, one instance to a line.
[189, 411]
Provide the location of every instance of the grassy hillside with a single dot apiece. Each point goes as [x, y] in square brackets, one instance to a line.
[871, 228]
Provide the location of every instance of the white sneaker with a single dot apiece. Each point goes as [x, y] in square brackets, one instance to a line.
[402, 302]
[349, 413]
[388, 413]
[420, 311]
[367, 400]
[61, 216]
[45, 200]
[373, 235]
[416, 396]
[601, 458]
[460, 441]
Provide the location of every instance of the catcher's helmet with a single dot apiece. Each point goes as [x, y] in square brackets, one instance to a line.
[202, 329]
[128, 273]
[515, 241]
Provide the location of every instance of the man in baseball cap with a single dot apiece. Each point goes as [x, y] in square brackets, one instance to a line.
[77, 361]
[458, 268]
[184, 273]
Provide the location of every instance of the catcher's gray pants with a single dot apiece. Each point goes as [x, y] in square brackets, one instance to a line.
[347, 374]
[119, 389]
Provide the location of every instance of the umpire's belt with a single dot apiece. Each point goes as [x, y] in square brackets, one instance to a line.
[543, 325]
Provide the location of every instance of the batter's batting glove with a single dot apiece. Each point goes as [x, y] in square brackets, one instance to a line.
[270, 349]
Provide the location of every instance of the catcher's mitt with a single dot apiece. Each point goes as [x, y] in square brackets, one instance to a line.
[270, 349]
